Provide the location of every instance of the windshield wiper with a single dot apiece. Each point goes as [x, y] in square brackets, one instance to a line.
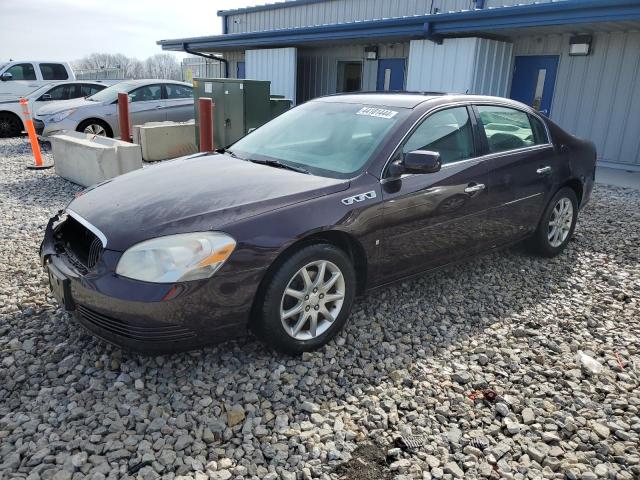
[278, 164]
[227, 151]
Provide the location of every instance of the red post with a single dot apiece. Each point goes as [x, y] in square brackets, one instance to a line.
[123, 116]
[205, 106]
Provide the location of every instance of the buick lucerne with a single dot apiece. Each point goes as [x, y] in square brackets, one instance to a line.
[279, 232]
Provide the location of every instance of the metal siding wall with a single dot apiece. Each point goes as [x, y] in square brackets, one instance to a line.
[597, 97]
[341, 11]
[277, 65]
[510, 3]
[492, 69]
[338, 11]
[318, 67]
[442, 68]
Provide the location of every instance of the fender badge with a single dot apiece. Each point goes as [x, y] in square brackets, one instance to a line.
[359, 198]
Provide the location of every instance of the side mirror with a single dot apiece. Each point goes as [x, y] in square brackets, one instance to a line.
[45, 97]
[422, 161]
[6, 76]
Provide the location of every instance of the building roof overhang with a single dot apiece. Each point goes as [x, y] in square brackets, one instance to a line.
[491, 21]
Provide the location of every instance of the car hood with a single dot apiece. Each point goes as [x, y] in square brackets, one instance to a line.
[192, 194]
[61, 105]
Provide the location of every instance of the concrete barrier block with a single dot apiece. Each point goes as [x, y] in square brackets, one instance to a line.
[86, 159]
[165, 140]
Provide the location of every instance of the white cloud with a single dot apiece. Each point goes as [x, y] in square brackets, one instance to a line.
[70, 29]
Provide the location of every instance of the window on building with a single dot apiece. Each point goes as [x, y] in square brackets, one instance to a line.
[448, 132]
[349, 76]
[53, 71]
[22, 71]
[507, 128]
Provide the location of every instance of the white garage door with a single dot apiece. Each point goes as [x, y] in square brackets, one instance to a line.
[278, 65]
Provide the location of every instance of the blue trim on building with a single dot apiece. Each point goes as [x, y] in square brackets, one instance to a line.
[435, 26]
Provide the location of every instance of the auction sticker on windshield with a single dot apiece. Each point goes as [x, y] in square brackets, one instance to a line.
[377, 112]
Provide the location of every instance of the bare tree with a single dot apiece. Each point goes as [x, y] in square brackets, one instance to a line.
[162, 65]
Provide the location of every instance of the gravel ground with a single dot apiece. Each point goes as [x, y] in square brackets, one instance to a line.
[421, 358]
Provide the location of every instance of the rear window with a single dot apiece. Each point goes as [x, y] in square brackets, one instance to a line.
[86, 90]
[178, 91]
[53, 71]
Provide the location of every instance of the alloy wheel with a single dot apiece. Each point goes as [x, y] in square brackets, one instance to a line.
[312, 300]
[560, 222]
[95, 129]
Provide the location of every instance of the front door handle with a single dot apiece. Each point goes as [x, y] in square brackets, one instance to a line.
[478, 187]
[544, 170]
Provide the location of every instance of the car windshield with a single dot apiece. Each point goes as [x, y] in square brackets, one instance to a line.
[330, 139]
[110, 94]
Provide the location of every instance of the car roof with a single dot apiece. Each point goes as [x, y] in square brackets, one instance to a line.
[387, 99]
[149, 81]
[412, 100]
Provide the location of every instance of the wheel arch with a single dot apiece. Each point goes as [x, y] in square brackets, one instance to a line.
[13, 114]
[340, 239]
[577, 186]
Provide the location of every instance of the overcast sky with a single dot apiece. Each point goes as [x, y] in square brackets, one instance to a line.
[70, 29]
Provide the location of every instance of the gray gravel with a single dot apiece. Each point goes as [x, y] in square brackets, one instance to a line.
[415, 359]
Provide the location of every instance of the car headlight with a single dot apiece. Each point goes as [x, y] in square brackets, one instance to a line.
[176, 258]
[58, 117]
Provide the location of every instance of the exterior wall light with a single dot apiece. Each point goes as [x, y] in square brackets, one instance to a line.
[580, 45]
[371, 53]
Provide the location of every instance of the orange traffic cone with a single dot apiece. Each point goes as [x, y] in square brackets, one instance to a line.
[33, 138]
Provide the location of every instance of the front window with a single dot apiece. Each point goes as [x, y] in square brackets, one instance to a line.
[110, 94]
[328, 139]
[147, 93]
[448, 132]
[22, 71]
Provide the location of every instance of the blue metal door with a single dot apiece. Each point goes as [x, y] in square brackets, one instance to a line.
[240, 70]
[534, 78]
[390, 74]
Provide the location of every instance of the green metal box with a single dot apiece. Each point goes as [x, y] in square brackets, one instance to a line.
[239, 106]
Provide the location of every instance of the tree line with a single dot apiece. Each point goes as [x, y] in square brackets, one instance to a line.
[162, 65]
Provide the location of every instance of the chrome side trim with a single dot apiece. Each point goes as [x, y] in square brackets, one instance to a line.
[522, 199]
[88, 226]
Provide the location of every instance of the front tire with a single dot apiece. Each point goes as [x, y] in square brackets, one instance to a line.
[307, 300]
[95, 127]
[557, 224]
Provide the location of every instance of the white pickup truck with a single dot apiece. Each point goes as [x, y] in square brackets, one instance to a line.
[20, 77]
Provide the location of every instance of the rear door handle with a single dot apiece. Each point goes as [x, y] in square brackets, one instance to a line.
[478, 187]
[544, 170]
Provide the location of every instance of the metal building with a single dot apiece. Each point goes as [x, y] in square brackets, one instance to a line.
[578, 61]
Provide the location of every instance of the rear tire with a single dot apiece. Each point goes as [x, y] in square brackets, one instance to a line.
[95, 127]
[10, 125]
[300, 312]
[557, 224]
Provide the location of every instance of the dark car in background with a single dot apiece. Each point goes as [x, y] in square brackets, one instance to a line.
[280, 232]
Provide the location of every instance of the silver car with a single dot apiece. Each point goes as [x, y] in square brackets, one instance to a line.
[150, 101]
